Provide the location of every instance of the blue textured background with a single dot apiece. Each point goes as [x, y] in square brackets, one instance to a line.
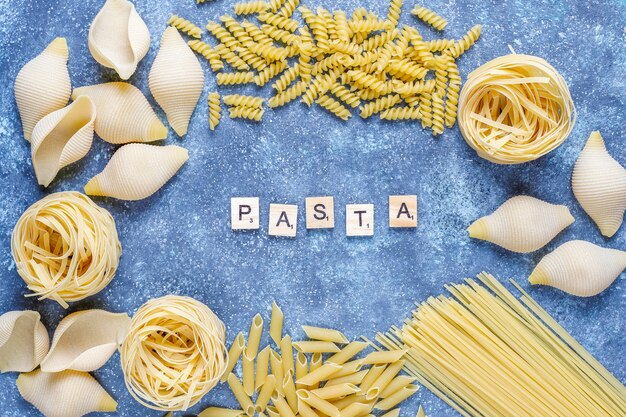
[179, 240]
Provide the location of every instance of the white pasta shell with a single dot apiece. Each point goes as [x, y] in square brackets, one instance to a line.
[123, 113]
[579, 268]
[176, 80]
[61, 138]
[64, 394]
[23, 341]
[599, 184]
[85, 340]
[118, 37]
[137, 171]
[43, 85]
[522, 224]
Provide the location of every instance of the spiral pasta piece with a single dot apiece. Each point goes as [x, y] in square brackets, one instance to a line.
[232, 78]
[231, 57]
[438, 114]
[65, 247]
[439, 45]
[249, 113]
[223, 35]
[401, 113]
[208, 53]
[452, 97]
[430, 17]
[174, 353]
[237, 100]
[288, 95]
[251, 7]
[185, 26]
[270, 72]
[279, 21]
[287, 77]
[466, 42]
[288, 8]
[215, 110]
[345, 95]
[393, 15]
[334, 107]
[379, 105]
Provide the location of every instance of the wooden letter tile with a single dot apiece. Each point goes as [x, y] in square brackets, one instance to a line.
[283, 220]
[360, 220]
[402, 211]
[320, 212]
[244, 213]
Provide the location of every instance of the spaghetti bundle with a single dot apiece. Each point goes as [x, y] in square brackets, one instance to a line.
[65, 247]
[515, 109]
[174, 353]
[487, 353]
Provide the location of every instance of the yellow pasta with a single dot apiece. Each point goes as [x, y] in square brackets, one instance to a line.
[220, 412]
[246, 113]
[242, 398]
[265, 394]
[346, 96]
[356, 409]
[353, 378]
[320, 374]
[251, 7]
[215, 110]
[340, 111]
[379, 105]
[278, 371]
[276, 323]
[256, 103]
[396, 398]
[395, 8]
[286, 355]
[316, 346]
[289, 388]
[247, 369]
[287, 77]
[318, 403]
[381, 382]
[185, 25]
[348, 352]
[231, 78]
[336, 391]
[396, 384]
[438, 114]
[288, 95]
[323, 334]
[384, 357]
[231, 58]
[278, 21]
[283, 408]
[302, 367]
[288, 8]
[466, 42]
[374, 372]
[262, 367]
[270, 72]
[208, 53]
[430, 17]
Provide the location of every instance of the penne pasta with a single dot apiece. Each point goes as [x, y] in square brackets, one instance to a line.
[221, 412]
[305, 411]
[348, 368]
[374, 372]
[290, 391]
[317, 403]
[354, 378]
[320, 374]
[316, 363]
[272, 411]
[247, 369]
[233, 355]
[393, 413]
[420, 412]
[348, 352]
[384, 379]
[237, 388]
[286, 352]
[276, 324]
[316, 347]
[254, 337]
[277, 369]
[356, 410]
[262, 365]
[346, 401]
[302, 367]
[335, 391]
[265, 394]
[383, 357]
[325, 335]
[397, 383]
[396, 398]
[281, 406]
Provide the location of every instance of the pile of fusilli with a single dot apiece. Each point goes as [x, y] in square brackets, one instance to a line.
[340, 62]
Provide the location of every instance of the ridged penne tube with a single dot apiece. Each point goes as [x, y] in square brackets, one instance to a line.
[43, 85]
[354, 378]
[277, 370]
[118, 37]
[220, 412]
[320, 374]
[137, 171]
[396, 412]
[276, 323]
[330, 392]
[304, 410]
[242, 398]
[387, 356]
[289, 388]
[61, 138]
[356, 409]
[64, 394]
[522, 224]
[272, 411]
[348, 368]
[325, 335]
[372, 374]
[316, 346]
[247, 370]
[176, 80]
[262, 366]
[599, 184]
[265, 394]
[85, 340]
[254, 336]
[317, 403]
[286, 355]
[185, 26]
[282, 406]
[579, 268]
[396, 384]
[350, 399]
[384, 379]
[23, 341]
[234, 353]
[348, 352]
[316, 362]
[302, 367]
[123, 113]
[396, 398]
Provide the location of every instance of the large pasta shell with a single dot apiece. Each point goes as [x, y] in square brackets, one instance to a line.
[176, 80]
[61, 138]
[579, 268]
[118, 37]
[137, 171]
[85, 340]
[23, 341]
[522, 224]
[124, 114]
[64, 394]
[599, 184]
[43, 85]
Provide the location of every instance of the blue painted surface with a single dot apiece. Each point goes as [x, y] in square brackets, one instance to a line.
[179, 240]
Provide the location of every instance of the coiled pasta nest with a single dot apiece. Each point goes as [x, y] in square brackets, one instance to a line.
[174, 353]
[515, 109]
[65, 247]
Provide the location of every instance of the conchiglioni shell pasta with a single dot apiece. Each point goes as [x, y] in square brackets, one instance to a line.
[65, 247]
[23, 341]
[61, 138]
[137, 171]
[123, 113]
[599, 184]
[522, 224]
[174, 353]
[176, 80]
[43, 85]
[579, 268]
[118, 37]
[85, 340]
[64, 394]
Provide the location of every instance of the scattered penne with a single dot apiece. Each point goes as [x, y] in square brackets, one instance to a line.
[316, 347]
[276, 324]
[383, 357]
[325, 335]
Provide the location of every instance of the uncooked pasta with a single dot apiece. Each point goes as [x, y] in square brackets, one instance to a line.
[174, 353]
[65, 247]
[514, 109]
[487, 353]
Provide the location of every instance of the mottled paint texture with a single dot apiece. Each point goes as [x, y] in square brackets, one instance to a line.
[179, 241]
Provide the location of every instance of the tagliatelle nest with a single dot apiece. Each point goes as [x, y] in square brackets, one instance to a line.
[174, 353]
[515, 109]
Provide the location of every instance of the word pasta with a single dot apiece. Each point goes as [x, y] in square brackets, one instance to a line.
[320, 214]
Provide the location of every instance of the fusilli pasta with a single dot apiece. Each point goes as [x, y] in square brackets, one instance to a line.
[215, 110]
[185, 26]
